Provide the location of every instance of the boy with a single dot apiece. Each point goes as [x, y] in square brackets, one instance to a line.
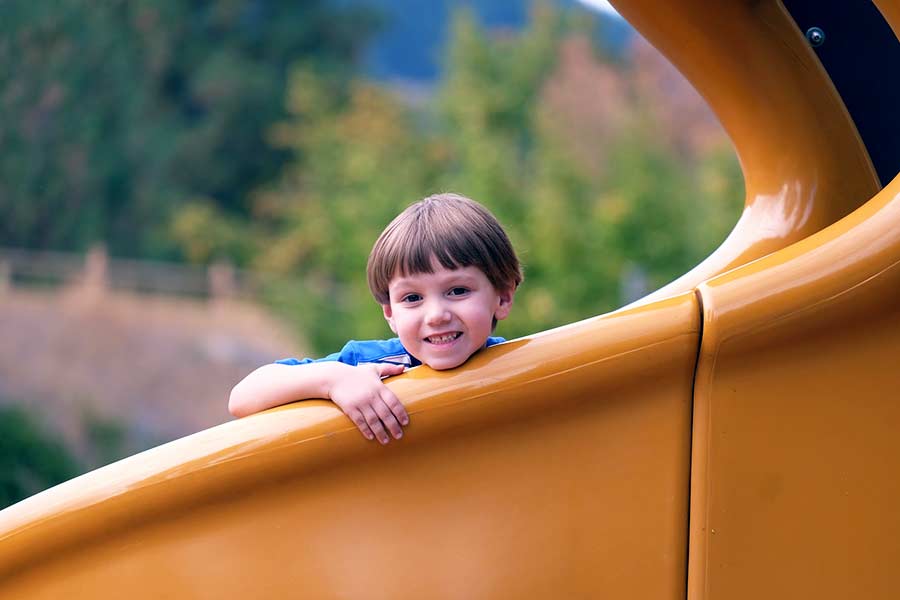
[444, 273]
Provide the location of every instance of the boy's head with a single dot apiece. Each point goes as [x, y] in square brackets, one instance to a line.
[444, 272]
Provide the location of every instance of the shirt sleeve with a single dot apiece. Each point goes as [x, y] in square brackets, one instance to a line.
[347, 355]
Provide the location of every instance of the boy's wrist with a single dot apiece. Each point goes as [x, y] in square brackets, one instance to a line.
[334, 373]
[327, 381]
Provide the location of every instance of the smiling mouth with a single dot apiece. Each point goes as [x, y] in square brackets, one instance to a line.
[445, 338]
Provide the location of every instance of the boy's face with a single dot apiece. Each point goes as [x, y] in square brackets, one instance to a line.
[442, 318]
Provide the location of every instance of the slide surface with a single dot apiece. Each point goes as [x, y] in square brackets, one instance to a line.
[517, 475]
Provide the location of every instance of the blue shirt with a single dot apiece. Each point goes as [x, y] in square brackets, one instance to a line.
[372, 351]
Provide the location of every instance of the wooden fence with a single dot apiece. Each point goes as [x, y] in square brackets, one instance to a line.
[30, 268]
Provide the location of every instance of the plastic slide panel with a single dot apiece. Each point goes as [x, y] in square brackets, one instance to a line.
[552, 466]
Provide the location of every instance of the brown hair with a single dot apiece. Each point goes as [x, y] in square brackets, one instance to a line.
[454, 230]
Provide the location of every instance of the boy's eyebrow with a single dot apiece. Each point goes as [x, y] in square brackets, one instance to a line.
[453, 276]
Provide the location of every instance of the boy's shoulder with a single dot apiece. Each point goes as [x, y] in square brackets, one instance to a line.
[357, 352]
[383, 351]
[389, 351]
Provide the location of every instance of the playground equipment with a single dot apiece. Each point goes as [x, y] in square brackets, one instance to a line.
[731, 436]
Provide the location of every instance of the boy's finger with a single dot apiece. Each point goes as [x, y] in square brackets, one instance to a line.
[360, 422]
[388, 369]
[399, 411]
[375, 424]
[388, 418]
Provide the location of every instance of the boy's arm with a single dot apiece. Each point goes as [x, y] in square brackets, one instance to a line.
[358, 391]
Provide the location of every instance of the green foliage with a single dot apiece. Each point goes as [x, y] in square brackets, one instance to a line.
[107, 438]
[488, 103]
[31, 458]
[233, 129]
[585, 229]
[359, 163]
[117, 113]
[581, 228]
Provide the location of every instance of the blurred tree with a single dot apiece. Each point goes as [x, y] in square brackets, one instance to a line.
[538, 126]
[357, 165]
[31, 459]
[115, 114]
[548, 132]
[487, 99]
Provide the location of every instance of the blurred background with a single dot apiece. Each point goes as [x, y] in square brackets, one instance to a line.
[189, 190]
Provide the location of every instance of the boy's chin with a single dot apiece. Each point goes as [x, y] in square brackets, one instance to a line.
[444, 364]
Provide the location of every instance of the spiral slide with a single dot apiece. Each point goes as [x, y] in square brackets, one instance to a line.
[733, 435]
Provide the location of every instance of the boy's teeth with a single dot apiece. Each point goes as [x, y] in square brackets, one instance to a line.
[442, 339]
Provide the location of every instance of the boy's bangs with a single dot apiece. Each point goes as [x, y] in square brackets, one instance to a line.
[421, 249]
[447, 230]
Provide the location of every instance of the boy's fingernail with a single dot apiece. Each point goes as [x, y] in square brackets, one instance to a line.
[398, 435]
[405, 421]
[369, 436]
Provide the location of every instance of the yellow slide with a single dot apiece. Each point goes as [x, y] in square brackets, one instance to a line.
[734, 435]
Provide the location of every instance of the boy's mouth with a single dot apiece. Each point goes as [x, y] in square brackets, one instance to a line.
[444, 338]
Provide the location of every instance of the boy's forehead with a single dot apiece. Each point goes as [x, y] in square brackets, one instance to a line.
[439, 272]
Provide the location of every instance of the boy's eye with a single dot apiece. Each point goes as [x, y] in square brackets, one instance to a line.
[411, 298]
[458, 291]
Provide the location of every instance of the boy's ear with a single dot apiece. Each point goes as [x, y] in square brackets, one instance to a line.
[389, 316]
[504, 304]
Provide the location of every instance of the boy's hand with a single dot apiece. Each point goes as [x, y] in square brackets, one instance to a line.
[369, 403]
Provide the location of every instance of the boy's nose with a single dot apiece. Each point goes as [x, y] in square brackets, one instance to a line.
[437, 313]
